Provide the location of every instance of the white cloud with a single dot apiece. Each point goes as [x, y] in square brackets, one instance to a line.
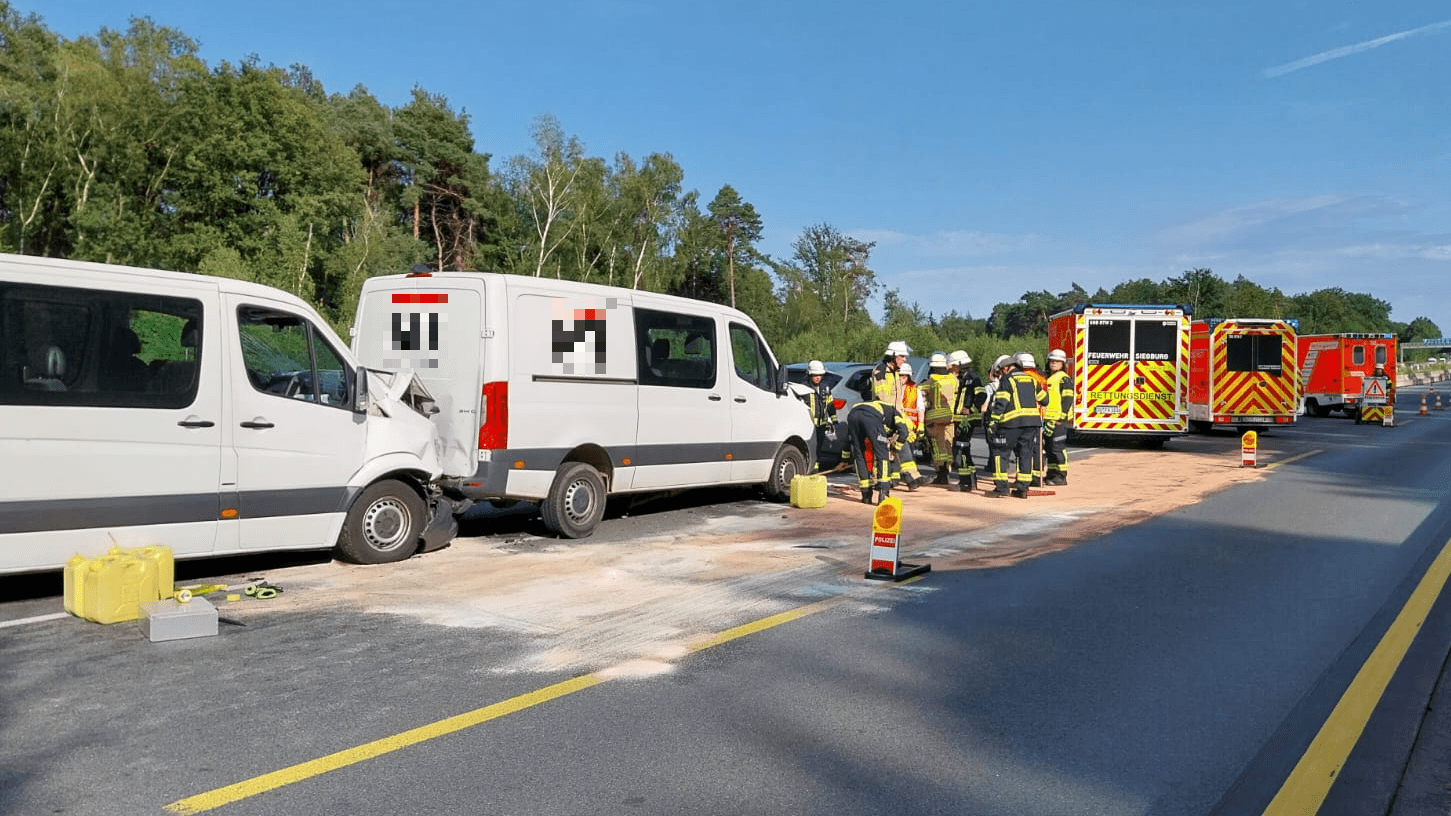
[1347, 50]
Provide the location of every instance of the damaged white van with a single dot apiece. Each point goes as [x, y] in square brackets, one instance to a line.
[210, 415]
[563, 393]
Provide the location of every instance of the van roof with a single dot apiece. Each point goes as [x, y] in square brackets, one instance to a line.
[641, 296]
[101, 271]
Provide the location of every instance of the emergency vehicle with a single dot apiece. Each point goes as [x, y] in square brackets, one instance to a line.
[1333, 365]
[1242, 372]
[1130, 368]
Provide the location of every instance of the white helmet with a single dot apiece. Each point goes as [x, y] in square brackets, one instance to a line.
[1025, 360]
[906, 369]
[959, 358]
[897, 348]
[1002, 362]
[1057, 355]
[937, 360]
[815, 367]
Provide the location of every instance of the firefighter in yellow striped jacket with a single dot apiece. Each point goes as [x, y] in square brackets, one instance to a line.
[1017, 420]
[1057, 417]
[967, 413]
[871, 427]
[940, 395]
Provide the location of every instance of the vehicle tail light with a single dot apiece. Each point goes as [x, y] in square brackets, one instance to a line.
[838, 404]
[494, 420]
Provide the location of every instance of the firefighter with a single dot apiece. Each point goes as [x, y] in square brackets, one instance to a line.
[1027, 365]
[996, 444]
[872, 426]
[889, 385]
[1057, 417]
[1016, 421]
[939, 393]
[822, 405]
[967, 410]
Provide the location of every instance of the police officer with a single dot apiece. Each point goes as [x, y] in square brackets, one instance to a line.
[1057, 416]
[889, 385]
[872, 425]
[1017, 422]
[967, 410]
[822, 406]
[939, 393]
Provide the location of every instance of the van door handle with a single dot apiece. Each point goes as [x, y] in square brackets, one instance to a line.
[193, 422]
[714, 398]
[740, 399]
[259, 422]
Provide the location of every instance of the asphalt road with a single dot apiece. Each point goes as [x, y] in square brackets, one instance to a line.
[1184, 665]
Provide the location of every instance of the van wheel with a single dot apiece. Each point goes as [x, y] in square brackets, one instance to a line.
[383, 525]
[576, 501]
[789, 463]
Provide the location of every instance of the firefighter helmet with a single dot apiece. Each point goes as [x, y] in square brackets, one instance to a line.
[937, 360]
[1002, 362]
[1025, 360]
[1057, 355]
[959, 358]
[815, 367]
[906, 369]
[897, 348]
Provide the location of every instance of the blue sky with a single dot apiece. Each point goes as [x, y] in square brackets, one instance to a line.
[988, 148]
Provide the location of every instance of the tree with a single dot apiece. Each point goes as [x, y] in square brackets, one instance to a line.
[448, 180]
[740, 229]
[544, 187]
[1422, 328]
[834, 268]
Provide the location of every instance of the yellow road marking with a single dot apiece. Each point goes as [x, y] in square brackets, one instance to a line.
[1297, 457]
[296, 773]
[1305, 788]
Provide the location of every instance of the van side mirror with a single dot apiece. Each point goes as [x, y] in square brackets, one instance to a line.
[783, 379]
[360, 391]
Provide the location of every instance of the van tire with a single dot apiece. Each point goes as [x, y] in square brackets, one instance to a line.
[788, 464]
[383, 525]
[576, 501]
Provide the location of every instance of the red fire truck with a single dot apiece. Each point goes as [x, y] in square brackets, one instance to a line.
[1242, 372]
[1332, 365]
[1130, 367]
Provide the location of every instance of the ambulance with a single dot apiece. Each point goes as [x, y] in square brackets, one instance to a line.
[1332, 367]
[1242, 373]
[565, 393]
[1130, 368]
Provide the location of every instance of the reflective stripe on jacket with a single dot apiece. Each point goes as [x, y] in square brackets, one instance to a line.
[1018, 401]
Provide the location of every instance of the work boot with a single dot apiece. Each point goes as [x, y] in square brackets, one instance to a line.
[967, 483]
[1056, 479]
[999, 492]
[941, 478]
[1020, 491]
[884, 491]
[867, 495]
[1037, 482]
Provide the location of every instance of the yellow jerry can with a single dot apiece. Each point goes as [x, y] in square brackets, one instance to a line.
[808, 491]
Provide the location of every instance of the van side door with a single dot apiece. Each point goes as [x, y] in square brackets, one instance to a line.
[758, 414]
[296, 439]
[110, 419]
[684, 429]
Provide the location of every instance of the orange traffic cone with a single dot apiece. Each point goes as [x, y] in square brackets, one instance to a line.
[1423, 405]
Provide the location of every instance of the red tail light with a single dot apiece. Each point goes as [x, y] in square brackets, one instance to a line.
[838, 404]
[494, 424]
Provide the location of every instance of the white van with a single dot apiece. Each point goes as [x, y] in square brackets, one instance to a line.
[563, 392]
[210, 415]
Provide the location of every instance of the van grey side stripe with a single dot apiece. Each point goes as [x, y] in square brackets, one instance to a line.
[552, 378]
[638, 455]
[133, 511]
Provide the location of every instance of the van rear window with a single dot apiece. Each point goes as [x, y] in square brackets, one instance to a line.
[93, 347]
[676, 350]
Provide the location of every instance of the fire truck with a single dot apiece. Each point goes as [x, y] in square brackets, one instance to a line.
[1130, 367]
[1332, 366]
[1242, 372]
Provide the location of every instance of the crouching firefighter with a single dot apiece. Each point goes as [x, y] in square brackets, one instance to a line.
[873, 428]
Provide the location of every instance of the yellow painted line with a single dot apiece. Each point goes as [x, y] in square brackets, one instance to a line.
[211, 800]
[1297, 457]
[1305, 789]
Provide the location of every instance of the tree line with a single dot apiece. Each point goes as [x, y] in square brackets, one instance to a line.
[126, 147]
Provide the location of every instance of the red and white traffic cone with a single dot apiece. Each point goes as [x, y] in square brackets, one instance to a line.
[1423, 405]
